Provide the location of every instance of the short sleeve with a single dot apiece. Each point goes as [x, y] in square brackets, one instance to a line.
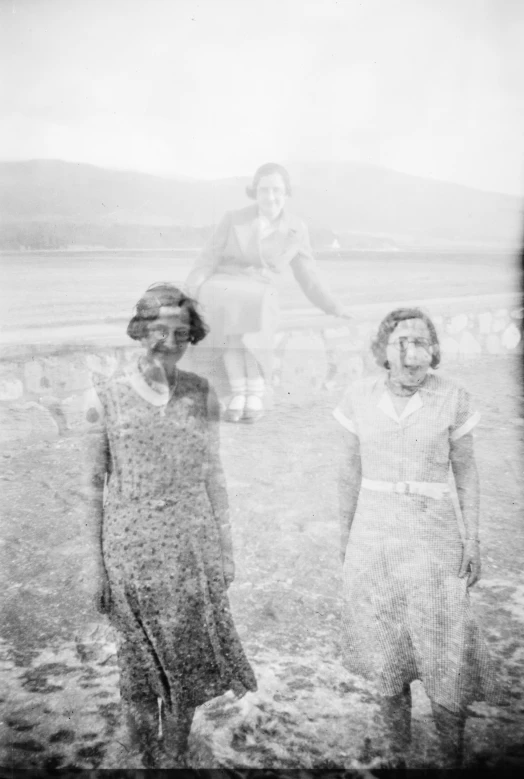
[466, 417]
[344, 413]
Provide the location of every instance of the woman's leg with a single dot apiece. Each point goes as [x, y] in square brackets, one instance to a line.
[450, 728]
[396, 711]
[236, 373]
[140, 705]
[255, 389]
[142, 727]
[176, 729]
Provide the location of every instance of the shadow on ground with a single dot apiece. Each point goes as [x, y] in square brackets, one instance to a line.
[59, 701]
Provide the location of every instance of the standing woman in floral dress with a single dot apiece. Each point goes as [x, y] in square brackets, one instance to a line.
[235, 281]
[161, 538]
[407, 567]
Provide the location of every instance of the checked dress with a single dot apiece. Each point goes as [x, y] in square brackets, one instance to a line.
[407, 614]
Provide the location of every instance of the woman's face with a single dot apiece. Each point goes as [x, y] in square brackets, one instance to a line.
[168, 335]
[409, 353]
[271, 196]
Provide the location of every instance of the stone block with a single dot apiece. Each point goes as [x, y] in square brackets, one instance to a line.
[511, 337]
[65, 373]
[449, 346]
[103, 362]
[458, 323]
[34, 375]
[10, 388]
[355, 367]
[469, 346]
[485, 319]
[338, 333]
[11, 370]
[499, 324]
[493, 345]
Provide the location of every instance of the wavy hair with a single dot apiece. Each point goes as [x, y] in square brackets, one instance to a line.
[388, 325]
[267, 170]
[165, 294]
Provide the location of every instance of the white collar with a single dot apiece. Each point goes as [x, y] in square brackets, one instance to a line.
[385, 404]
[155, 393]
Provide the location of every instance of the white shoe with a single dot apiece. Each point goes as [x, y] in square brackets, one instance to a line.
[235, 408]
[254, 409]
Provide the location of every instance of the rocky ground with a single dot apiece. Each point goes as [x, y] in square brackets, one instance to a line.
[59, 700]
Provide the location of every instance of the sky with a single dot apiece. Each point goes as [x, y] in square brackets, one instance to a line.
[214, 88]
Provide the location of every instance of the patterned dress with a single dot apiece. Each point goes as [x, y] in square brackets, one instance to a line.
[407, 614]
[165, 501]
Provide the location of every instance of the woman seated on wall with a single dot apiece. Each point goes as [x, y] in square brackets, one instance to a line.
[234, 280]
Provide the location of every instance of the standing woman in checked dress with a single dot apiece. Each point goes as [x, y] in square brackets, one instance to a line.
[407, 567]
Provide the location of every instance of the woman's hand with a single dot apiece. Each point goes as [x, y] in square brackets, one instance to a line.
[229, 570]
[470, 561]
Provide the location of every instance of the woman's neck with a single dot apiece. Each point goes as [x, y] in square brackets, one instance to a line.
[400, 390]
[160, 370]
[270, 221]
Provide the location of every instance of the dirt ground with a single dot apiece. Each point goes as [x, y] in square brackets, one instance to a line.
[59, 701]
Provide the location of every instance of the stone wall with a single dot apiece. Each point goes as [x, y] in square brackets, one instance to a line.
[42, 386]
[338, 353]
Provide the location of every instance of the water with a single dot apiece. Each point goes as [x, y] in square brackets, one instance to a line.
[41, 289]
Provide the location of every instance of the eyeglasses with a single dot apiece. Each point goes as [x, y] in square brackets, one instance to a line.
[402, 344]
[181, 334]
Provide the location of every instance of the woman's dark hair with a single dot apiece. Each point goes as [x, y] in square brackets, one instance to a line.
[388, 325]
[165, 294]
[267, 170]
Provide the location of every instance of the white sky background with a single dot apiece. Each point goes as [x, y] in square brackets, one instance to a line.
[216, 87]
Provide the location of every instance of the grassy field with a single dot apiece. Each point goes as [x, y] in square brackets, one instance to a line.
[59, 703]
[43, 289]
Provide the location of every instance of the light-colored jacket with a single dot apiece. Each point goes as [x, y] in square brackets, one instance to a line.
[236, 247]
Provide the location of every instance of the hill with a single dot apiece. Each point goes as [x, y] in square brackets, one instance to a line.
[359, 205]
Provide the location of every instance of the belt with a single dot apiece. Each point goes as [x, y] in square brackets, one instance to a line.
[430, 489]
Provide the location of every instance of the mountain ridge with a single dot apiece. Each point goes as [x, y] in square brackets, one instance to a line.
[337, 200]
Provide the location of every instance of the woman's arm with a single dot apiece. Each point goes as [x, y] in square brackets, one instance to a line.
[350, 477]
[96, 470]
[465, 472]
[306, 273]
[216, 486]
[210, 256]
